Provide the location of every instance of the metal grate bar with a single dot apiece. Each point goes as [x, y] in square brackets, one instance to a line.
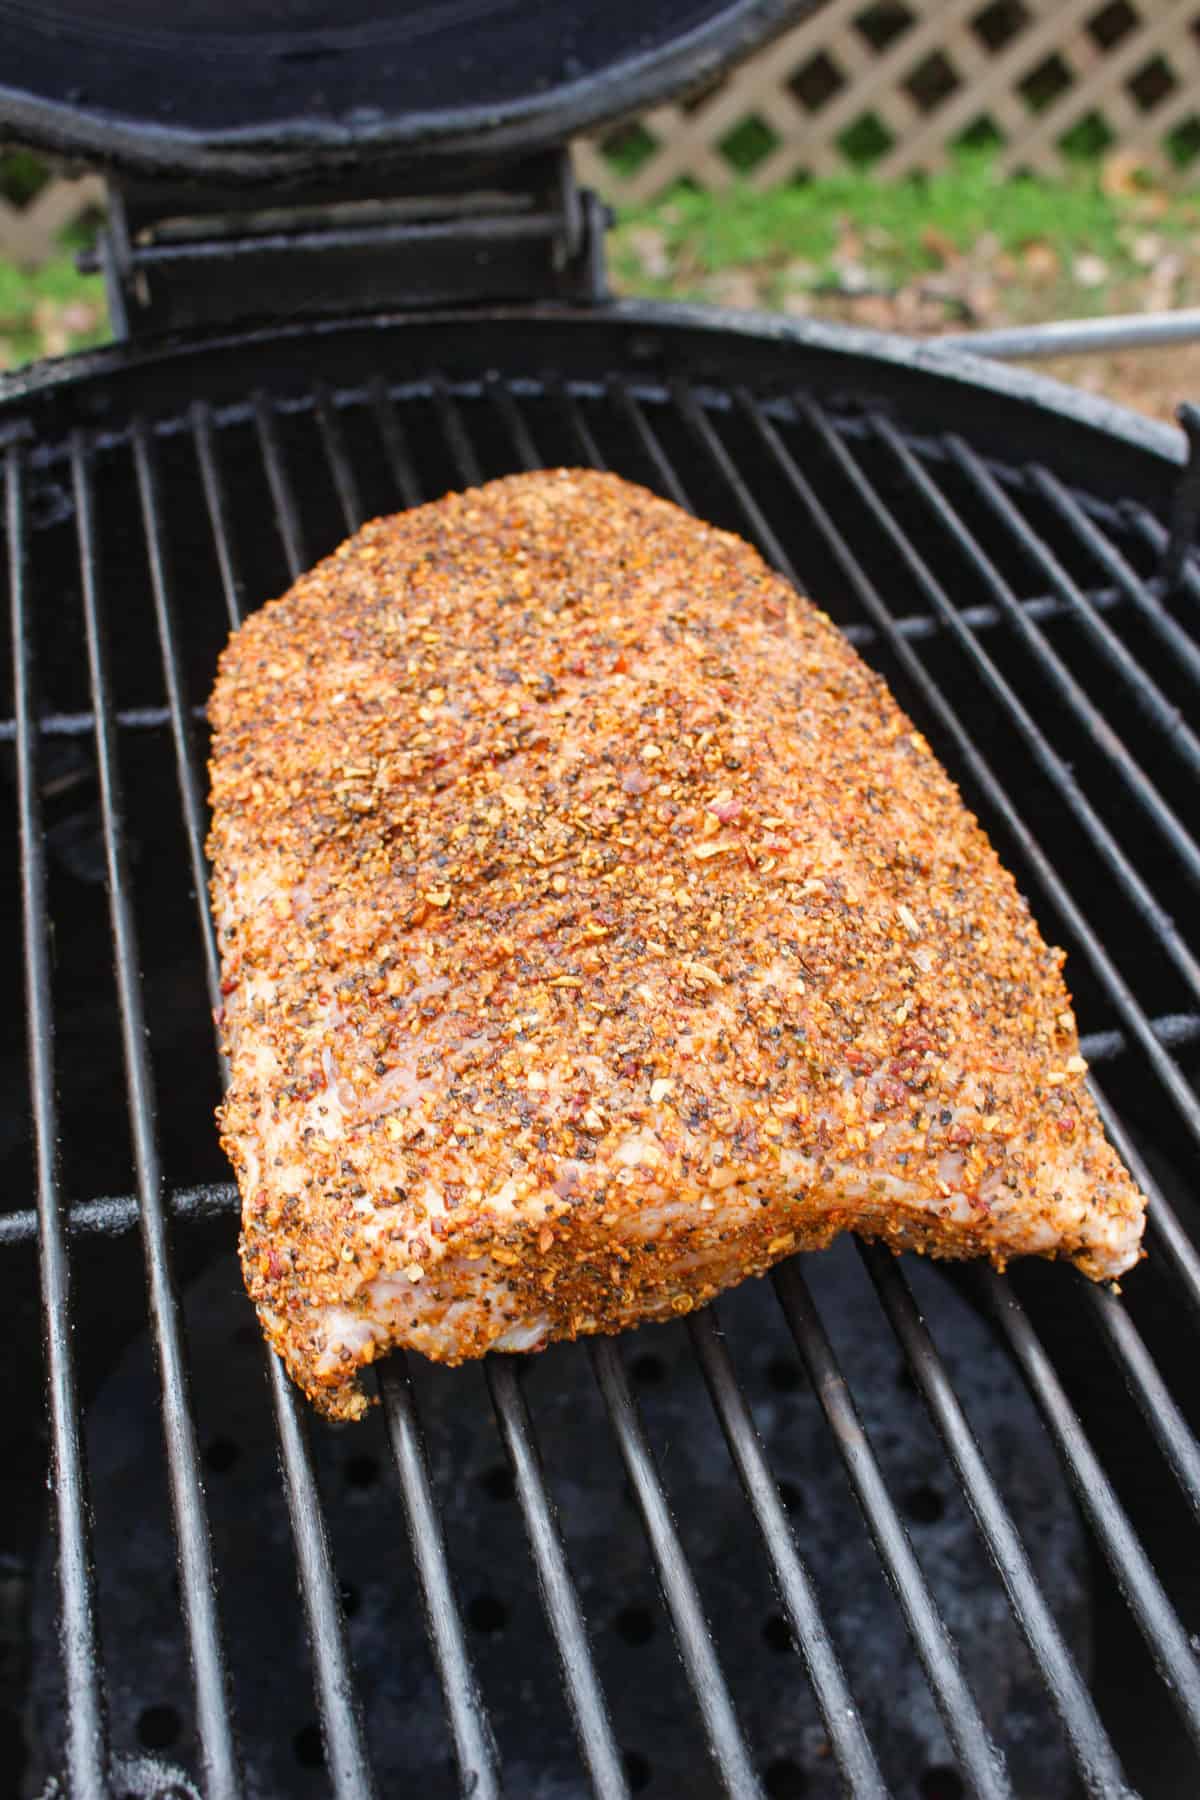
[1134, 1573]
[979, 1758]
[1183, 649]
[469, 1725]
[1053, 765]
[568, 405]
[86, 1745]
[341, 1724]
[843, 1722]
[395, 444]
[218, 510]
[912, 625]
[1144, 691]
[683, 1601]
[692, 1635]
[287, 515]
[1166, 1421]
[334, 439]
[1118, 990]
[630, 408]
[1158, 539]
[214, 1725]
[177, 702]
[456, 434]
[1094, 1754]
[1173, 1080]
[1161, 1220]
[589, 1709]
[501, 397]
[470, 1728]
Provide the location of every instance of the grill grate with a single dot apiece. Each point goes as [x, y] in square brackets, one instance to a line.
[1001, 685]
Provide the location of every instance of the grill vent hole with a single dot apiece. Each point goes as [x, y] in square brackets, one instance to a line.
[924, 1506]
[784, 1779]
[784, 1375]
[362, 1471]
[650, 1370]
[635, 1624]
[777, 1633]
[497, 1483]
[941, 1783]
[221, 1454]
[637, 1770]
[486, 1613]
[308, 1748]
[158, 1727]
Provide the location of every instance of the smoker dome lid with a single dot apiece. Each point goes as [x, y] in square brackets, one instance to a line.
[243, 90]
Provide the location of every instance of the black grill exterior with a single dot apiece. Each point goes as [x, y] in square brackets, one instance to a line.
[998, 559]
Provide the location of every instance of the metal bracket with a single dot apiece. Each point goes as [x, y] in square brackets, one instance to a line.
[177, 257]
[1185, 507]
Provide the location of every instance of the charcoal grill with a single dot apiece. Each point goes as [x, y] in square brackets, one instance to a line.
[886, 1529]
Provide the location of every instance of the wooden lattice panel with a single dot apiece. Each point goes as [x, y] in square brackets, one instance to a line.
[899, 84]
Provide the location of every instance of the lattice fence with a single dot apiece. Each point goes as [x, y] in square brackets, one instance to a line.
[898, 84]
[895, 85]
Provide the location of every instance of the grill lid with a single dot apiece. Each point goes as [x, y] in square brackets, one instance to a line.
[266, 89]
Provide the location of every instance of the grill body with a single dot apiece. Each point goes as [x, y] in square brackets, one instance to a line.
[994, 1482]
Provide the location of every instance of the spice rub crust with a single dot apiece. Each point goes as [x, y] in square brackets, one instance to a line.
[595, 931]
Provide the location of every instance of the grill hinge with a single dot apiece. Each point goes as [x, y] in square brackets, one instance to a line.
[177, 257]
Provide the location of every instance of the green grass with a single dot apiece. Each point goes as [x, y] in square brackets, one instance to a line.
[797, 237]
[48, 310]
[904, 227]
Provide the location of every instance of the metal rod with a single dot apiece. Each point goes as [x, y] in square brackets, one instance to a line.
[980, 1760]
[843, 1721]
[1096, 1759]
[1078, 337]
[1049, 664]
[287, 515]
[470, 1728]
[1090, 945]
[394, 442]
[346, 1755]
[86, 1743]
[1144, 1595]
[334, 440]
[560, 1600]
[1153, 1397]
[214, 1724]
[1161, 1221]
[1184, 651]
[1143, 690]
[692, 1636]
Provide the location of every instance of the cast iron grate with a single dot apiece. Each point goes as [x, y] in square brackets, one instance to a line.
[1058, 695]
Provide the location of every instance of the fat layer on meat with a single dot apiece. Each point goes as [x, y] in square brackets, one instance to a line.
[596, 931]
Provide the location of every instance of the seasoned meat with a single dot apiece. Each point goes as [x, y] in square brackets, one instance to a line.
[596, 931]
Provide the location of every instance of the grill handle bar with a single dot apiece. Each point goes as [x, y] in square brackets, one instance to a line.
[1094, 1754]
[692, 1634]
[843, 1721]
[978, 1757]
[474, 1745]
[1080, 337]
[87, 1747]
[589, 1709]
